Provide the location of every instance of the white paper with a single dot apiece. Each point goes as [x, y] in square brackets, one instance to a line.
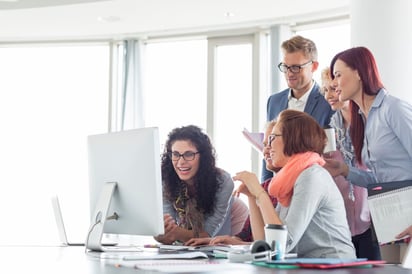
[255, 139]
[184, 266]
[157, 256]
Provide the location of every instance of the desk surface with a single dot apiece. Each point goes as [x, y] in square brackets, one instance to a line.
[74, 260]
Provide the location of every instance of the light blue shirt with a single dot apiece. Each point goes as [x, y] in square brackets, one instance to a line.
[387, 146]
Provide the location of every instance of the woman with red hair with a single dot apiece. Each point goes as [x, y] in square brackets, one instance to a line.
[381, 124]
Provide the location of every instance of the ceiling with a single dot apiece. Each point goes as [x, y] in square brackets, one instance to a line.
[40, 20]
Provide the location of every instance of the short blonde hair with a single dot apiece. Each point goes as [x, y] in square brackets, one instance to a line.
[325, 78]
[325, 75]
[299, 43]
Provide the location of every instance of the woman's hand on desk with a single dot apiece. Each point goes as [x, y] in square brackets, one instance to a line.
[227, 240]
[224, 239]
[173, 232]
[169, 237]
[169, 226]
[198, 241]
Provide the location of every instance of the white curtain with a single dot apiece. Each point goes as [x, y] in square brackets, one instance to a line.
[132, 99]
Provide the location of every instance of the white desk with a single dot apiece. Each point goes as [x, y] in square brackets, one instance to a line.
[73, 260]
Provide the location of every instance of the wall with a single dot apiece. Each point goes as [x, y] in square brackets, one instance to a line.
[385, 27]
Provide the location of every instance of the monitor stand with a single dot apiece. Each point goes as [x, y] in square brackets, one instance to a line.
[95, 234]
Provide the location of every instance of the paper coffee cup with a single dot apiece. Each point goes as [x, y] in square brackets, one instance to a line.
[276, 236]
[331, 144]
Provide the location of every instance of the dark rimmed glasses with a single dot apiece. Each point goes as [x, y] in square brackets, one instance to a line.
[187, 156]
[293, 68]
[272, 137]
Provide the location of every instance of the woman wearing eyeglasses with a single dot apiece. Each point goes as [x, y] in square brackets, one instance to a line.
[197, 194]
[309, 202]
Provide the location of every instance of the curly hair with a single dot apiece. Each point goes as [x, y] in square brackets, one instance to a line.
[205, 181]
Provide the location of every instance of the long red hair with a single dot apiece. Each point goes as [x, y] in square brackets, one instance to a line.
[362, 60]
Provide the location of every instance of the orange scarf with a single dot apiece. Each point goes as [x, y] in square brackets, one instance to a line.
[282, 184]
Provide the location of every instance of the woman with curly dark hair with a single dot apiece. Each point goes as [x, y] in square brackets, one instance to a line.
[197, 194]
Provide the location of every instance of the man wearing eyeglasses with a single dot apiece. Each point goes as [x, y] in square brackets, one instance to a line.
[303, 93]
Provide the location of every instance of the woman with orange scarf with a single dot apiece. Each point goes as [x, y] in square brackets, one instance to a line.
[309, 203]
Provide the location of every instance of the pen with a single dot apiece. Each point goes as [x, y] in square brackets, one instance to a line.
[151, 246]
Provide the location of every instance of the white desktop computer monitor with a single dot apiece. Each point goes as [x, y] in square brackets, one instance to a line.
[125, 185]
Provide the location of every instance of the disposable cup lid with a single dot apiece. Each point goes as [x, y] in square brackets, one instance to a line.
[275, 226]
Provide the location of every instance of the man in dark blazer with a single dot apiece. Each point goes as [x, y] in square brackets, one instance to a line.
[303, 93]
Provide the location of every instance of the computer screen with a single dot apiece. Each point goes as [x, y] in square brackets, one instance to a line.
[125, 184]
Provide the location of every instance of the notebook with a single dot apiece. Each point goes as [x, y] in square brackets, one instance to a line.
[325, 263]
[390, 205]
[374, 189]
[60, 223]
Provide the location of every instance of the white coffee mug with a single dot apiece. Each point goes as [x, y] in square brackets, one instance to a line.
[276, 236]
[331, 144]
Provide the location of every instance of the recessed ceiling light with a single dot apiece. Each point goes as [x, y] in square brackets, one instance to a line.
[108, 19]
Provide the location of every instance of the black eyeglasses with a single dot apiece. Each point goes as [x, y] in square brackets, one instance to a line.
[187, 156]
[294, 68]
[272, 137]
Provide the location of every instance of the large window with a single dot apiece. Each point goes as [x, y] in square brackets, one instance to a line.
[178, 92]
[232, 104]
[329, 41]
[175, 85]
[51, 98]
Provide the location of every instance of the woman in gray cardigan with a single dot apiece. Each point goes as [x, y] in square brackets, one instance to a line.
[309, 203]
